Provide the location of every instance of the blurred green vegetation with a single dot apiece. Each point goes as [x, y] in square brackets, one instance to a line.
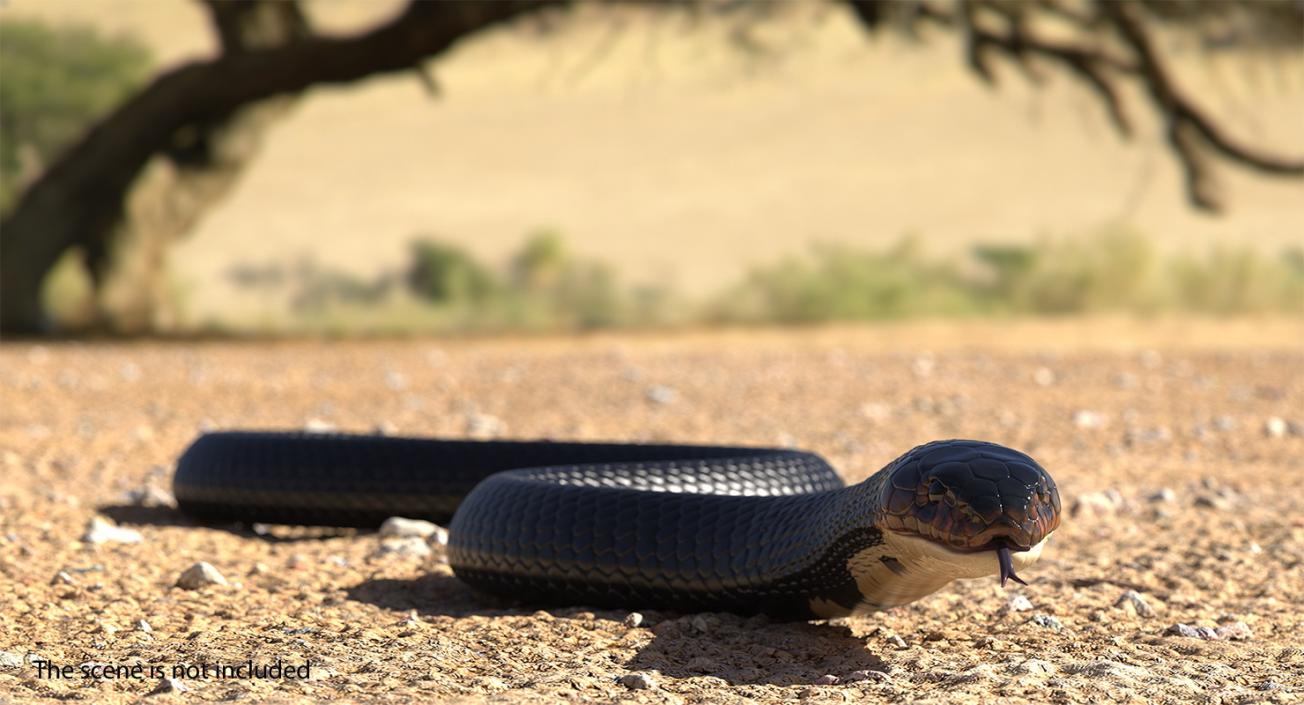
[57, 82]
[1113, 270]
[543, 287]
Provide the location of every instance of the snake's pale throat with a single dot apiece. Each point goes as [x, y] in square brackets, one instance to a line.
[1007, 565]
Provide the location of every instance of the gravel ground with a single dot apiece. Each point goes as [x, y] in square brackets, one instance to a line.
[1176, 579]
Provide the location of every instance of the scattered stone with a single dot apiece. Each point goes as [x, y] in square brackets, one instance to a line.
[150, 496]
[705, 624]
[316, 425]
[1211, 500]
[1275, 427]
[898, 642]
[1163, 495]
[1268, 685]
[637, 681]
[385, 428]
[143, 626]
[484, 426]
[410, 547]
[1088, 419]
[875, 411]
[11, 659]
[1191, 632]
[99, 530]
[923, 366]
[827, 679]
[1225, 423]
[1097, 504]
[1043, 376]
[1125, 380]
[63, 578]
[399, 526]
[661, 394]
[702, 664]
[1018, 603]
[867, 675]
[1135, 603]
[169, 685]
[396, 381]
[633, 619]
[1158, 434]
[199, 575]
[1236, 631]
[1037, 667]
[1046, 621]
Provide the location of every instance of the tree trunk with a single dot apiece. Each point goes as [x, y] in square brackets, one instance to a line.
[81, 199]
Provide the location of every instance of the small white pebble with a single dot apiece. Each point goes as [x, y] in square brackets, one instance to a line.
[169, 685]
[1037, 667]
[1236, 631]
[1098, 504]
[661, 394]
[143, 626]
[1163, 495]
[150, 496]
[100, 531]
[1275, 427]
[484, 426]
[396, 381]
[411, 547]
[1018, 603]
[633, 619]
[1135, 602]
[1086, 419]
[828, 679]
[704, 624]
[1046, 621]
[399, 526]
[637, 681]
[63, 578]
[199, 575]
[316, 425]
[1043, 376]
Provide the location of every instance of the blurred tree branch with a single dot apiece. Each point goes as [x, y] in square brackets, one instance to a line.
[80, 199]
[186, 114]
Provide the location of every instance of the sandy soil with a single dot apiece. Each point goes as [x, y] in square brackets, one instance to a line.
[1178, 420]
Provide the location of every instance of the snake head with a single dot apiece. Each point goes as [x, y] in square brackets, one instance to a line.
[970, 496]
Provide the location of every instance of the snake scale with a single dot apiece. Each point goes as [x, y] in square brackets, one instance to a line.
[688, 528]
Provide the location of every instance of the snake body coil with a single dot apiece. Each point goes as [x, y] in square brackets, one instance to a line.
[681, 527]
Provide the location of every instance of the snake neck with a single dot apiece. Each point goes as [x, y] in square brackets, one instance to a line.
[887, 569]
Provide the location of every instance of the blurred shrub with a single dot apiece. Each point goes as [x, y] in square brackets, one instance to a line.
[1112, 270]
[448, 275]
[543, 287]
[1229, 281]
[838, 282]
[57, 82]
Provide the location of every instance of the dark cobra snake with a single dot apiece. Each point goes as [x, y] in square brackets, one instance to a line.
[689, 528]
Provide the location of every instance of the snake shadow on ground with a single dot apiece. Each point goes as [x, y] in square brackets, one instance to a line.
[137, 515]
[739, 650]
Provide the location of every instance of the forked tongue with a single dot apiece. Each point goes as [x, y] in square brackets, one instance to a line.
[1007, 565]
